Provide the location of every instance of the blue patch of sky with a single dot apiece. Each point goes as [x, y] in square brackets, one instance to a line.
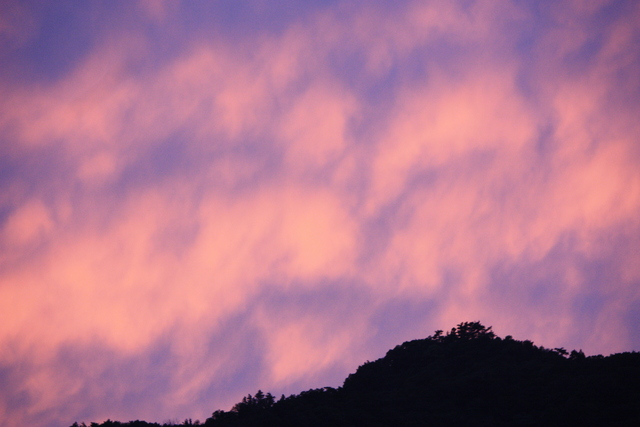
[65, 35]
[239, 20]
[345, 296]
[402, 319]
[632, 319]
[235, 335]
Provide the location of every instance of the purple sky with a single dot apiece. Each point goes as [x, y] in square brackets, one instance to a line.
[200, 199]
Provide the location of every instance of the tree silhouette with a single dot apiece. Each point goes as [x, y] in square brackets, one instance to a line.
[470, 331]
[466, 377]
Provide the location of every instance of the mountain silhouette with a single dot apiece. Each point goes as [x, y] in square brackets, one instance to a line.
[466, 377]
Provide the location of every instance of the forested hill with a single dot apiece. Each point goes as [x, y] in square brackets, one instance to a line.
[466, 377]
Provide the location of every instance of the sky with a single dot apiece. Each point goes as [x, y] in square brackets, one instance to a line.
[202, 199]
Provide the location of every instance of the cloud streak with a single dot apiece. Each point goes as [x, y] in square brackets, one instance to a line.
[183, 223]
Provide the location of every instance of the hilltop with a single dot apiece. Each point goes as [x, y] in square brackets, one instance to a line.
[468, 376]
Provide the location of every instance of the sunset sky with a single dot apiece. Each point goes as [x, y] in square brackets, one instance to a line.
[201, 199]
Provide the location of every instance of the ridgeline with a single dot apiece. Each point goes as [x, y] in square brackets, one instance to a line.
[466, 377]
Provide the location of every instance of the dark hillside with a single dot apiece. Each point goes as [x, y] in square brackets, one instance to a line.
[466, 377]
[480, 379]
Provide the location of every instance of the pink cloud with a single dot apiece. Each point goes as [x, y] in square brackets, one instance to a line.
[29, 223]
[448, 121]
[202, 205]
[316, 128]
[302, 346]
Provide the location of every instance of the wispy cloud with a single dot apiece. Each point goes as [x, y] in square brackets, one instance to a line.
[189, 216]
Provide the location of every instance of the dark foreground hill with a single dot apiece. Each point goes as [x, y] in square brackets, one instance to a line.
[466, 377]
